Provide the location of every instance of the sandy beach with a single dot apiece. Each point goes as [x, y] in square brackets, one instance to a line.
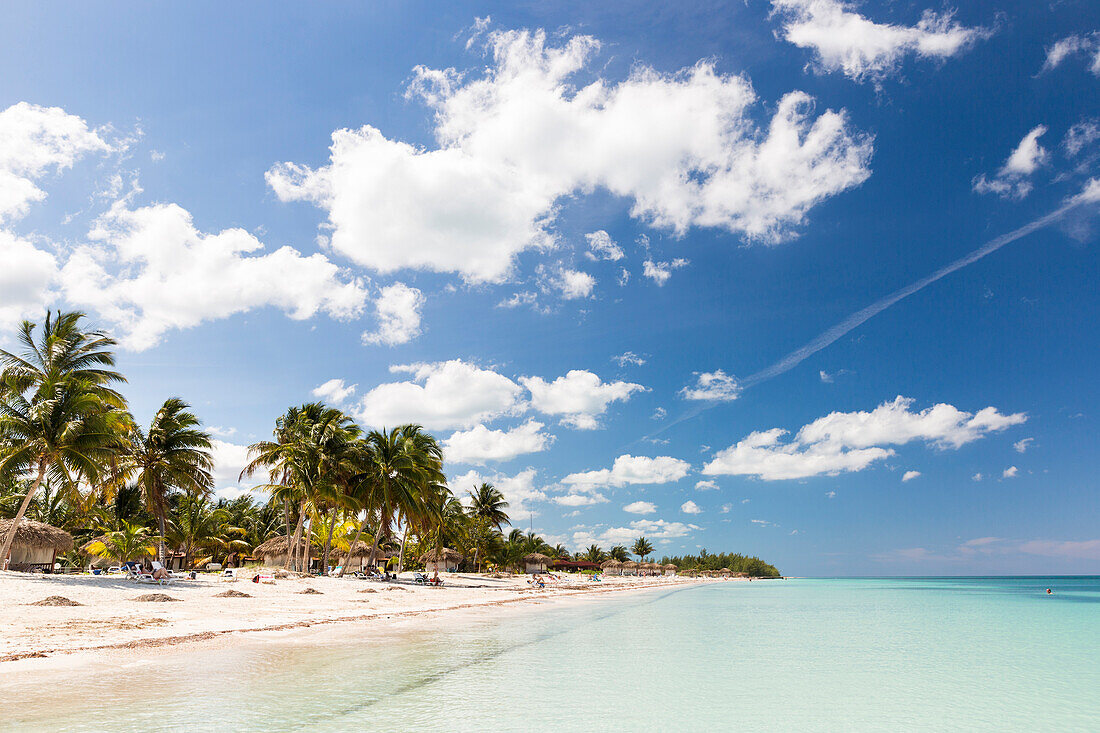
[208, 609]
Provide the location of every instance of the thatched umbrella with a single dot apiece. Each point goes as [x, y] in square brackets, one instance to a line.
[630, 565]
[724, 572]
[35, 543]
[611, 567]
[536, 562]
[669, 569]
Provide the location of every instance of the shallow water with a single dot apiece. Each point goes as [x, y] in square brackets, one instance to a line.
[959, 654]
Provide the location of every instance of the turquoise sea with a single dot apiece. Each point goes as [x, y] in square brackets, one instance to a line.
[884, 654]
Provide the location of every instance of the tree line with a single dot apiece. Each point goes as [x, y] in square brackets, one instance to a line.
[72, 455]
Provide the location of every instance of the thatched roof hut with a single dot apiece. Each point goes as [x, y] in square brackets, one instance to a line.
[724, 572]
[630, 568]
[360, 555]
[273, 552]
[444, 559]
[611, 567]
[36, 544]
[535, 562]
[669, 569]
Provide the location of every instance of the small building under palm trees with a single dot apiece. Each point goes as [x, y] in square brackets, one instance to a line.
[669, 569]
[273, 552]
[36, 545]
[612, 567]
[630, 568]
[535, 562]
[444, 560]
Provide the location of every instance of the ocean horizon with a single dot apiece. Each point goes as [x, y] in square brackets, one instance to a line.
[940, 653]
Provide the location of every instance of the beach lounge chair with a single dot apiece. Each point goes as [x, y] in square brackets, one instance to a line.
[420, 578]
[229, 575]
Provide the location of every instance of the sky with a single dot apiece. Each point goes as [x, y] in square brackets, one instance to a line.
[804, 279]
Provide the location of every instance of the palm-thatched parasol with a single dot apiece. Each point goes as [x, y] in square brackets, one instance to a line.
[38, 535]
[536, 558]
[445, 554]
[275, 546]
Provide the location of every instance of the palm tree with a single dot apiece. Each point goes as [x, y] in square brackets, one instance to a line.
[59, 416]
[559, 552]
[487, 501]
[129, 541]
[595, 554]
[199, 525]
[641, 548]
[173, 456]
[619, 553]
[401, 467]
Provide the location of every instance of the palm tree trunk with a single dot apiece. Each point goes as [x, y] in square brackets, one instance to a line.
[286, 521]
[354, 542]
[401, 554]
[4, 554]
[292, 547]
[160, 543]
[328, 540]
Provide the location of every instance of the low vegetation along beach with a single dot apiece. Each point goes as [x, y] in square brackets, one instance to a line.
[113, 538]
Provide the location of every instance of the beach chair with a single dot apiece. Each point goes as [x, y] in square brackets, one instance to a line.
[420, 578]
[229, 575]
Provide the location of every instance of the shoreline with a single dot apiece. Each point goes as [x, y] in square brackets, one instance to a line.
[44, 636]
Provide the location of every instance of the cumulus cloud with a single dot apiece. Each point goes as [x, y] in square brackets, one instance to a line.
[1080, 136]
[569, 284]
[516, 138]
[480, 445]
[1022, 445]
[33, 141]
[690, 507]
[653, 529]
[334, 391]
[851, 441]
[398, 308]
[630, 470]
[1010, 472]
[519, 490]
[660, 272]
[843, 40]
[580, 397]
[640, 507]
[706, 485]
[576, 499]
[149, 270]
[602, 247]
[1013, 179]
[910, 475]
[26, 279]
[716, 386]
[229, 460]
[441, 395]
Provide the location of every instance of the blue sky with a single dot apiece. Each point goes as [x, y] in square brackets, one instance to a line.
[565, 239]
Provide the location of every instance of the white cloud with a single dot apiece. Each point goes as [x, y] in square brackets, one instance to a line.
[334, 391]
[830, 494]
[640, 507]
[910, 475]
[515, 139]
[570, 284]
[1080, 136]
[602, 247]
[574, 499]
[229, 460]
[519, 490]
[33, 141]
[628, 358]
[725, 509]
[398, 307]
[580, 396]
[690, 507]
[1085, 549]
[1012, 181]
[522, 298]
[1022, 445]
[762, 523]
[977, 477]
[659, 414]
[843, 40]
[660, 272]
[1010, 472]
[479, 445]
[450, 394]
[150, 270]
[706, 485]
[26, 279]
[624, 277]
[653, 529]
[1071, 46]
[852, 441]
[629, 470]
[714, 386]
[220, 431]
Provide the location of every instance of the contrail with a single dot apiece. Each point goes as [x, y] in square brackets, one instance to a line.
[858, 318]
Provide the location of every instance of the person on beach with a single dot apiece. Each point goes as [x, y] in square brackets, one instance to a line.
[160, 574]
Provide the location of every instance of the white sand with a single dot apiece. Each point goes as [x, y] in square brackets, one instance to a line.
[110, 620]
